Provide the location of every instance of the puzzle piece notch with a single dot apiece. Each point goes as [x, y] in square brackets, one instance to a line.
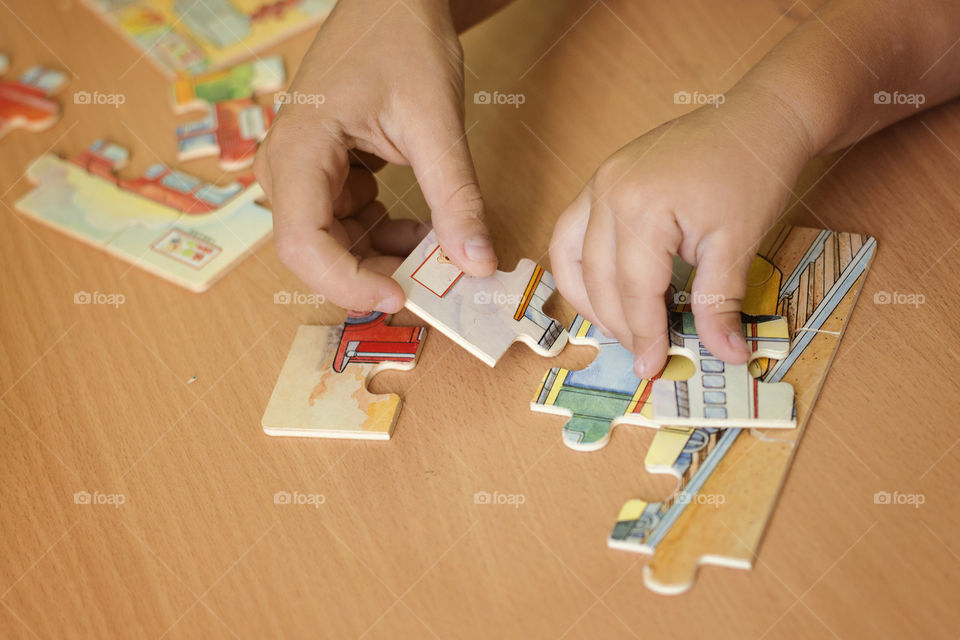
[26, 103]
[483, 315]
[322, 389]
[721, 394]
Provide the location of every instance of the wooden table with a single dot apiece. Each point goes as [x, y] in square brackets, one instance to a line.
[99, 399]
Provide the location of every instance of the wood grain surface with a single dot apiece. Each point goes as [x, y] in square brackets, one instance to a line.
[99, 399]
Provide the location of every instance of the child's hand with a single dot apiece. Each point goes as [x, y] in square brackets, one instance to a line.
[384, 79]
[706, 186]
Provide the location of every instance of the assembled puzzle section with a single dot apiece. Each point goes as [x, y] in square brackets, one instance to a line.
[604, 394]
[483, 315]
[729, 480]
[234, 123]
[322, 388]
[25, 103]
[720, 394]
[191, 36]
[246, 80]
[166, 222]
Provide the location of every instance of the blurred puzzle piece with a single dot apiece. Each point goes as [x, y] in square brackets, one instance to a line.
[322, 389]
[483, 315]
[166, 222]
[26, 103]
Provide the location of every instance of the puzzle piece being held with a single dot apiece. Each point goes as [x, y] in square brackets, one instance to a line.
[322, 388]
[720, 394]
[26, 103]
[483, 315]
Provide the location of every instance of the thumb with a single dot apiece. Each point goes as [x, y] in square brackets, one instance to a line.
[441, 161]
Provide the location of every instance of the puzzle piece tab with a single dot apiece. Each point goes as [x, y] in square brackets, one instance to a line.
[483, 315]
[720, 394]
[166, 222]
[26, 103]
[322, 388]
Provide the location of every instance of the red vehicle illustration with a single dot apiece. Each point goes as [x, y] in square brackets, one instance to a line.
[160, 183]
[26, 103]
[367, 339]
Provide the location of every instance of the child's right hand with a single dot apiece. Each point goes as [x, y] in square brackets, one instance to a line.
[391, 80]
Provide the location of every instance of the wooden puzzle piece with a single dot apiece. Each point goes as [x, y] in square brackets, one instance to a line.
[26, 103]
[231, 130]
[720, 394]
[483, 315]
[165, 222]
[246, 80]
[604, 394]
[187, 36]
[729, 480]
[322, 388]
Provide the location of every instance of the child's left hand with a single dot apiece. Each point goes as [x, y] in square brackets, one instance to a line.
[707, 186]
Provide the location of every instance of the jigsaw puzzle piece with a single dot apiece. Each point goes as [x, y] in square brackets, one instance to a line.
[721, 394]
[483, 315]
[246, 80]
[322, 388]
[166, 222]
[26, 103]
[231, 130]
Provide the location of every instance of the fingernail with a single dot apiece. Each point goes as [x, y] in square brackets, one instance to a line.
[640, 368]
[737, 343]
[389, 305]
[479, 249]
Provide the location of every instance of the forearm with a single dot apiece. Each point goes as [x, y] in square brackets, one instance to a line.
[824, 76]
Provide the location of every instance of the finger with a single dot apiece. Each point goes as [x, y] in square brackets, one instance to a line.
[566, 256]
[600, 273]
[305, 171]
[644, 260]
[717, 296]
[386, 265]
[441, 161]
[359, 190]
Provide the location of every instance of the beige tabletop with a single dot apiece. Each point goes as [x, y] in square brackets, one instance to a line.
[100, 399]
